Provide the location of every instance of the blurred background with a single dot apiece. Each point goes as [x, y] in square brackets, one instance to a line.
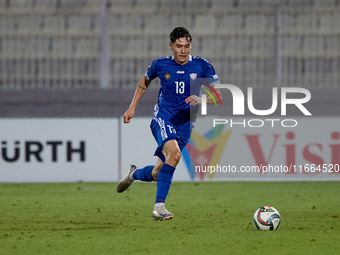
[84, 58]
[64, 46]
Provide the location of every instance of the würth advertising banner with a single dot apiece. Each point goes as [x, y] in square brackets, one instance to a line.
[58, 150]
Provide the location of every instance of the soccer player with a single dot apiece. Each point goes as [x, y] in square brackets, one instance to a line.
[172, 120]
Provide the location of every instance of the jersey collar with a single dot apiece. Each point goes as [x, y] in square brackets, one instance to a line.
[190, 57]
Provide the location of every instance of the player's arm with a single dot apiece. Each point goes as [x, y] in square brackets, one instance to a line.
[195, 100]
[139, 92]
[210, 100]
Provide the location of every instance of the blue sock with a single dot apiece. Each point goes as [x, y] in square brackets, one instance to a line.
[144, 174]
[163, 182]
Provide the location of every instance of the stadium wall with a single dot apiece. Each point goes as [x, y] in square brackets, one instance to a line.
[100, 149]
[96, 103]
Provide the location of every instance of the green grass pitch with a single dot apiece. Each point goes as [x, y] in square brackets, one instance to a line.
[209, 218]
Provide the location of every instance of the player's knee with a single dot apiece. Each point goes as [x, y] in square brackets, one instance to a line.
[173, 157]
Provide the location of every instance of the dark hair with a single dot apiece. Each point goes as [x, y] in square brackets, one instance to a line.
[179, 32]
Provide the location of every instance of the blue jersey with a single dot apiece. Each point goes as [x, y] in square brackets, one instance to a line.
[178, 83]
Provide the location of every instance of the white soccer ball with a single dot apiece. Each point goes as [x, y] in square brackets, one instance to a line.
[266, 218]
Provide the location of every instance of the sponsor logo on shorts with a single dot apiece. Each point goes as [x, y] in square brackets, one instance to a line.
[163, 129]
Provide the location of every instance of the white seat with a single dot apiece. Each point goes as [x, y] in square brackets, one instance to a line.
[288, 22]
[290, 45]
[7, 24]
[324, 3]
[156, 25]
[121, 6]
[87, 48]
[8, 48]
[312, 46]
[231, 24]
[326, 23]
[20, 5]
[149, 6]
[306, 23]
[211, 47]
[197, 6]
[336, 22]
[180, 21]
[256, 23]
[92, 6]
[43, 47]
[63, 47]
[44, 5]
[79, 24]
[29, 24]
[220, 6]
[54, 25]
[130, 24]
[205, 25]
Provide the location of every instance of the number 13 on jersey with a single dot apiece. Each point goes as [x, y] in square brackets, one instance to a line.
[180, 87]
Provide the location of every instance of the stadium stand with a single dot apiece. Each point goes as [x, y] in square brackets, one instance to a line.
[57, 43]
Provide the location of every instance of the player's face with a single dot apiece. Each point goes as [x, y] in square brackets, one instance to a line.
[181, 48]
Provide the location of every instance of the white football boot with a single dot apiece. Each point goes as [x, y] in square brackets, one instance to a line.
[160, 213]
[124, 183]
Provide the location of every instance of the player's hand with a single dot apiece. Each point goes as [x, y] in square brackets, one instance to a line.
[193, 100]
[128, 115]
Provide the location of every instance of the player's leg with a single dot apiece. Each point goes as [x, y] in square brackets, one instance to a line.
[172, 155]
[156, 169]
[147, 174]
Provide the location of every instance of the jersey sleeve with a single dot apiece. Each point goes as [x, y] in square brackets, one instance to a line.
[151, 73]
[210, 74]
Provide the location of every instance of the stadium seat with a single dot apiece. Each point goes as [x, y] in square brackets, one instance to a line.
[157, 24]
[330, 22]
[289, 22]
[300, 3]
[82, 25]
[92, 7]
[232, 24]
[44, 6]
[9, 48]
[198, 6]
[204, 25]
[306, 23]
[256, 24]
[290, 45]
[87, 47]
[6, 25]
[130, 24]
[60, 49]
[332, 45]
[29, 24]
[145, 7]
[180, 21]
[54, 25]
[324, 3]
[121, 6]
[221, 6]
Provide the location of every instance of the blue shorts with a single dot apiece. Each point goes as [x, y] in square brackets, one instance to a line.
[163, 131]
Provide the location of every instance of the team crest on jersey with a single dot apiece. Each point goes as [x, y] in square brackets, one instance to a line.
[193, 76]
[167, 76]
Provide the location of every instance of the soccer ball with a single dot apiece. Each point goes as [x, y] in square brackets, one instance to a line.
[266, 218]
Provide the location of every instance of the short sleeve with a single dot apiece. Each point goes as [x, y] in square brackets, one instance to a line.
[151, 73]
[210, 74]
